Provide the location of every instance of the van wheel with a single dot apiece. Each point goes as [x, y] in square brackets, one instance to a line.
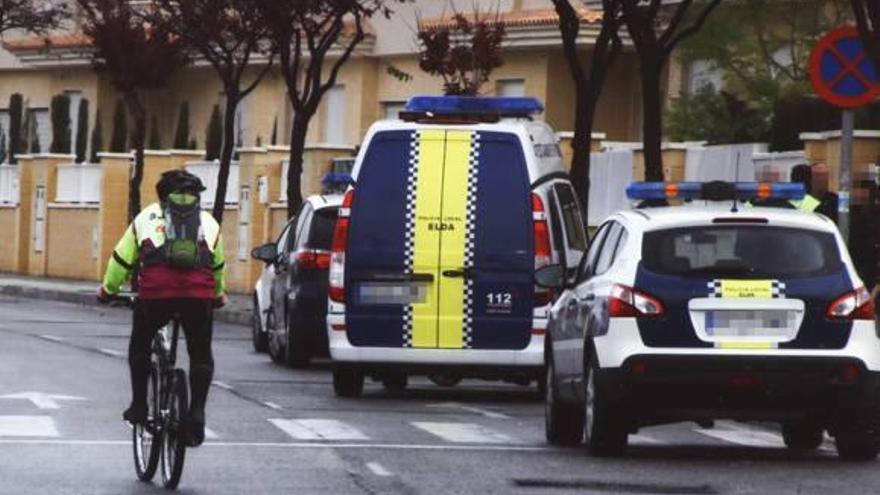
[297, 349]
[347, 381]
[395, 382]
[605, 433]
[857, 434]
[258, 336]
[563, 422]
[802, 435]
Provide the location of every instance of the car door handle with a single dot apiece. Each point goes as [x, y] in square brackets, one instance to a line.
[460, 273]
[589, 298]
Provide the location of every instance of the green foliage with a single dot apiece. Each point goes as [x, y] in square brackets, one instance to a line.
[2, 145]
[33, 131]
[155, 140]
[214, 135]
[60, 115]
[192, 144]
[82, 130]
[119, 138]
[181, 134]
[16, 146]
[716, 117]
[762, 47]
[97, 138]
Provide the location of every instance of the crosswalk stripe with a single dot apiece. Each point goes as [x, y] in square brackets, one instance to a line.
[211, 434]
[463, 432]
[748, 437]
[641, 439]
[27, 426]
[318, 429]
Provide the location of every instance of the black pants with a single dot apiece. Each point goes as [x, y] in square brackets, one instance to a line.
[196, 318]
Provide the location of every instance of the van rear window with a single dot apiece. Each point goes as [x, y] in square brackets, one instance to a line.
[743, 251]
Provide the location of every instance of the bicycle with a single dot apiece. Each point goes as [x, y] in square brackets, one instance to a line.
[162, 440]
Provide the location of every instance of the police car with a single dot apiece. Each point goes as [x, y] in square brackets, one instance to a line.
[453, 208]
[713, 310]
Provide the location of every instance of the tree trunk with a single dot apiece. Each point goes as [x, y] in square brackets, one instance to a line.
[652, 125]
[580, 161]
[294, 172]
[139, 116]
[232, 101]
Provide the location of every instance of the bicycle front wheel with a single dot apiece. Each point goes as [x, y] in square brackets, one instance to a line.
[147, 437]
[174, 436]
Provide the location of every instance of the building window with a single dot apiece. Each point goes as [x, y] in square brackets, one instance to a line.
[511, 87]
[704, 73]
[392, 109]
[334, 117]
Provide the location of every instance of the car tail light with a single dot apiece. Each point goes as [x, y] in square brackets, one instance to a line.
[853, 305]
[311, 259]
[542, 247]
[337, 250]
[626, 301]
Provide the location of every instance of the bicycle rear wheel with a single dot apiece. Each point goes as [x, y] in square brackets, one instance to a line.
[147, 437]
[174, 436]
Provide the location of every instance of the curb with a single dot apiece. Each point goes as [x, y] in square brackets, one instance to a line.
[236, 317]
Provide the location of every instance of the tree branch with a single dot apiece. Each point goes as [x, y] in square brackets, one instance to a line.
[693, 28]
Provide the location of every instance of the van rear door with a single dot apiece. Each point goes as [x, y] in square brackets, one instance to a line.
[440, 248]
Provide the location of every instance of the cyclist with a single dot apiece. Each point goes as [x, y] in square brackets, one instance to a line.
[178, 251]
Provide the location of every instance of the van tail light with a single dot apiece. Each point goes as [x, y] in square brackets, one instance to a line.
[311, 259]
[628, 302]
[853, 305]
[542, 247]
[337, 249]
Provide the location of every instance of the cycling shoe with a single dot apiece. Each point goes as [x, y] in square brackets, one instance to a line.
[135, 414]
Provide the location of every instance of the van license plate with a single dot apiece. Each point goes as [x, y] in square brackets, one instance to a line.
[751, 323]
[387, 293]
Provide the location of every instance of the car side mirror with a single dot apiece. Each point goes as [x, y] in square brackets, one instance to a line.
[267, 253]
[551, 277]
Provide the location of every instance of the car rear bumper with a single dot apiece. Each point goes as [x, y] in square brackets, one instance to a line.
[740, 387]
[341, 350]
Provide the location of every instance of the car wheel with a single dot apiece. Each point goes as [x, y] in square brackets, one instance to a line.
[395, 382]
[802, 435]
[348, 381]
[258, 337]
[563, 422]
[297, 349]
[445, 380]
[605, 433]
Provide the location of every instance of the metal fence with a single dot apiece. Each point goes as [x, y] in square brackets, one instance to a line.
[207, 172]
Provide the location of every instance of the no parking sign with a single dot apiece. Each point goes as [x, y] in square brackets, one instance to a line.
[840, 70]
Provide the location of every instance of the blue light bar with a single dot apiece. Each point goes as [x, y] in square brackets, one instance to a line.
[469, 105]
[336, 179]
[715, 191]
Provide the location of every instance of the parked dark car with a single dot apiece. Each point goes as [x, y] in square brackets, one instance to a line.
[290, 297]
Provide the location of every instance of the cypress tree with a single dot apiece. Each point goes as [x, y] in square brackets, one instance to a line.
[274, 140]
[97, 138]
[2, 145]
[82, 130]
[15, 142]
[35, 134]
[60, 115]
[119, 138]
[193, 144]
[181, 134]
[155, 141]
[214, 137]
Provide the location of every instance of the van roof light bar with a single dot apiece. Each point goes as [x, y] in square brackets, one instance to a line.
[477, 108]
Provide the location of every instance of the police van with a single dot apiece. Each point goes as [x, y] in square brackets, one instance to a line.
[453, 208]
[714, 310]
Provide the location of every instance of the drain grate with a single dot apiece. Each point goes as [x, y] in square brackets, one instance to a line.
[615, 486]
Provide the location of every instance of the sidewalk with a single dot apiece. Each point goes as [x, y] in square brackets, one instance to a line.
[237, 311]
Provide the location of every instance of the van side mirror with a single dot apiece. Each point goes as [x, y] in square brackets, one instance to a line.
[551, 277]
[267, 253]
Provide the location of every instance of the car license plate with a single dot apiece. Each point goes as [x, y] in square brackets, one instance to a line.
[393, 293]
[766, 323]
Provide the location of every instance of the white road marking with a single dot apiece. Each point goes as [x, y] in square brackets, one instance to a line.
[27, 426]
[643, 440]
[742, 435]
[303, 445]
[41, 400]
[52, 338]
[211, 434]
[110, 352]
[318, 429]
[378, 469]
[463, 432]
[477, 410]
[224, 386]
[272, 405]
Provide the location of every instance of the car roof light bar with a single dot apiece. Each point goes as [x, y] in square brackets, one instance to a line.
[715, 191]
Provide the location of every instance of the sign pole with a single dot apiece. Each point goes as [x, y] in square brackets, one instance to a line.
[845, 179]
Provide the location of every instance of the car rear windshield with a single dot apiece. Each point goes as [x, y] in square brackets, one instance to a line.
[321, 231]
[751, 251]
